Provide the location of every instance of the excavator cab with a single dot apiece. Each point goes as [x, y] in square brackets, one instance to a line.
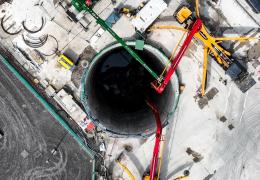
[183, 14]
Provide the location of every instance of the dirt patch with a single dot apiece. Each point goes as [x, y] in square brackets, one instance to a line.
[84, 60]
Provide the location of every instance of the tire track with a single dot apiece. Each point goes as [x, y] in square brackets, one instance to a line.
[240, 149]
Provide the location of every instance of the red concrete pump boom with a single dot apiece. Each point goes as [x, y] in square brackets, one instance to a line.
[157, 140]
[158, 86]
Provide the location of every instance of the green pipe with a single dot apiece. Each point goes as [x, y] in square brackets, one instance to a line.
[81, 5]
[52, 112]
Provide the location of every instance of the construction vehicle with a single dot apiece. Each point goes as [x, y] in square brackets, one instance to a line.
[196, 29]
[160, 85]
[154, 161]
[212, 47]
[151, 175]
[81, 5]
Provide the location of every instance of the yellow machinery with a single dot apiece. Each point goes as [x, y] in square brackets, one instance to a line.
[66, 62]
[181, 178]
[125, 10]
[183, 14]
[131, 11]
[148, 177]
[212, 46]
[131, 176]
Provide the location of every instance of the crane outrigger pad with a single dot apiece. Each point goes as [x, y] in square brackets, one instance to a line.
[240, 76]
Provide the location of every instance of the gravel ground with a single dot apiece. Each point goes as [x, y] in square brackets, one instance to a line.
[30, 135]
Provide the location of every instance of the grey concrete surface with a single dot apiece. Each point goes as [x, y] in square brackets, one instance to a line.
[30, 134]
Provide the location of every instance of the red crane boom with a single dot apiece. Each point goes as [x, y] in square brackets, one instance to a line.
[157, 140]
[158, 86]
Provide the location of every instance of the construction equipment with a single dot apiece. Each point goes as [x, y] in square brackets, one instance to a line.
[65, 62]
[183, 14]
[158, 134]
[157, 85]
[212, 47]
[186, 174]
[80, 5]
[127, 11]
